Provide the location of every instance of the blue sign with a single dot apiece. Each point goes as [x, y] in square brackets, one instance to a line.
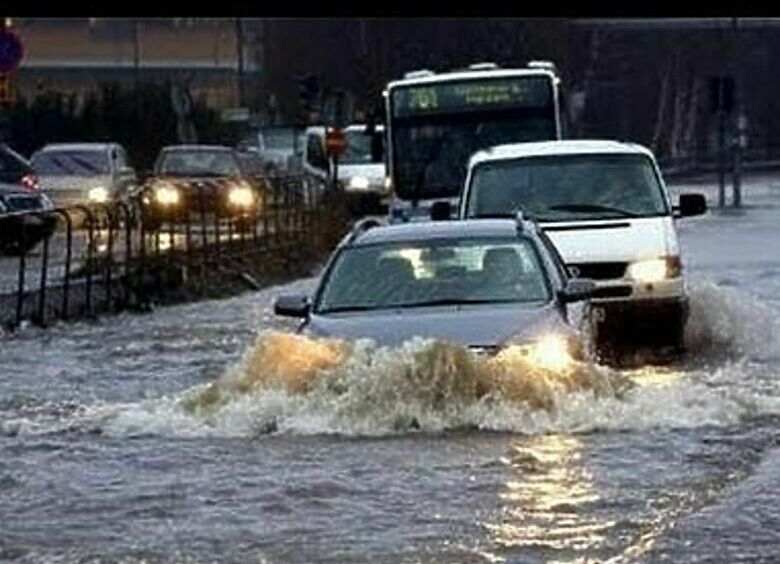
[11, 51]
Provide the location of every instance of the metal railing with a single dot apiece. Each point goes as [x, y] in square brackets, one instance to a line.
[103, 258]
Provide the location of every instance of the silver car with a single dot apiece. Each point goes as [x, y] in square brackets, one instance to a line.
[83, 173]
[485, 284]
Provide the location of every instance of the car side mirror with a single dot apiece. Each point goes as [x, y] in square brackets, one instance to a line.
[441, 211]
[577, 290]
[292, 306]
[691, 204]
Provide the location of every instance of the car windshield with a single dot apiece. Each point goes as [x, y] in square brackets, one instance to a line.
[65, 162]
[568, 187]
[431, 154]
[279, 139]
[198, 163]
[359, 148]
[441, 272]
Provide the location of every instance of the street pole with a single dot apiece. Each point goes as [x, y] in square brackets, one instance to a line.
[738, 130]
[721, 152]
[240, 48]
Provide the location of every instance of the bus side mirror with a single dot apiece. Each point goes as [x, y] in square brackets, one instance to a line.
[441, 211]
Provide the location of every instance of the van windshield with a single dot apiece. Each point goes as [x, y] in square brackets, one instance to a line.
[567, 188]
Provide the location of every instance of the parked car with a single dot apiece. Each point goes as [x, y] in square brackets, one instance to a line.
[84, 173]
[605, 206]
[360, 170]
[20, 233]
[484, 284]
[15, 169]
[280, 148]
[217, 178]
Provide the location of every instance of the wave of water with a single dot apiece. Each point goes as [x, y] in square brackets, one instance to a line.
[292, 384]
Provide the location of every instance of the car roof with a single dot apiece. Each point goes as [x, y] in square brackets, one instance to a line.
[78, 146]
[7, 189]
[420, 231]
[553, 148]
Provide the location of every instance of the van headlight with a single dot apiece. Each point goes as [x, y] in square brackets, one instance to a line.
[359, 183]
[655, 270]
[98, 194]
[166, 195]
[241, 196]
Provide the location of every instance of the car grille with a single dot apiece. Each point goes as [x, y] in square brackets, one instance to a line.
[613, 292]
[488, 350]
[23, 203]
[600, 270]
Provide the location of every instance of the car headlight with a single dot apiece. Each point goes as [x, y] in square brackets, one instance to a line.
[655, 270]
[98, 194]
[241, 196]
[551, 352]
[359, 183]
[166, 195]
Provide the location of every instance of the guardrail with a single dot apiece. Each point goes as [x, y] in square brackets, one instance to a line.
[754, 159]
[104, 258]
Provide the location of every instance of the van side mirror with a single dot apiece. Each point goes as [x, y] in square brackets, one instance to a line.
[692, 204]
[577, 290]
[292, 306]
[441, 211]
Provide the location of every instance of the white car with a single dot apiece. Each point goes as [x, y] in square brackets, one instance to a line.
[605, 207]
[83, 173]
[361, 168]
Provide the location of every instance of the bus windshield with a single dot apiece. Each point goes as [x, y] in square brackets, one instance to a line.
[436, 128]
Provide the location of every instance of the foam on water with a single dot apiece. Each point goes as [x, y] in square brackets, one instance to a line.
[725, 321]
[293, 384]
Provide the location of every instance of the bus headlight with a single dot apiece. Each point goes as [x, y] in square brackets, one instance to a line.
[98, 194]
[655, 270]
[241, 196]
[166, 195]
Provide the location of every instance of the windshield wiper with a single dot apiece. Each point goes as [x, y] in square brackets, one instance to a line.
[592, 208]
[455, 301]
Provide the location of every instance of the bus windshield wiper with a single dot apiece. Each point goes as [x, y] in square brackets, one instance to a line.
[592, 208]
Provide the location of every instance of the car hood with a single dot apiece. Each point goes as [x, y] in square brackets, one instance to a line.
[468, 325]
[372, 171]
[71, 181]
[613, 240]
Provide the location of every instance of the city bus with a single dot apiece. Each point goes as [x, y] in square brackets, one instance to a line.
[435, 122]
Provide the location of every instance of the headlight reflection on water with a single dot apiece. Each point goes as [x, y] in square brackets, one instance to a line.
[547, 497]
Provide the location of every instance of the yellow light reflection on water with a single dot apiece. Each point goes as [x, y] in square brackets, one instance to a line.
[546, 502]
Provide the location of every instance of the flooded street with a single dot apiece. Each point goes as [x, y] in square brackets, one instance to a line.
[204, 433]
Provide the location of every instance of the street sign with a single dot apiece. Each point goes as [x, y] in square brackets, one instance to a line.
[335, 142]
[11, 51]
[235, 114]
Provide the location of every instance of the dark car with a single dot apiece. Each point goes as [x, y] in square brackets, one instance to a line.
[485, 284]
[195, 178]
[21, 232]
[15, 169]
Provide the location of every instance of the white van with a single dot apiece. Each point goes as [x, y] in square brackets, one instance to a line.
[361, 167]
[605, 207]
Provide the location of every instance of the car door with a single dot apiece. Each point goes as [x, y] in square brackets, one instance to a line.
[124, 175]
